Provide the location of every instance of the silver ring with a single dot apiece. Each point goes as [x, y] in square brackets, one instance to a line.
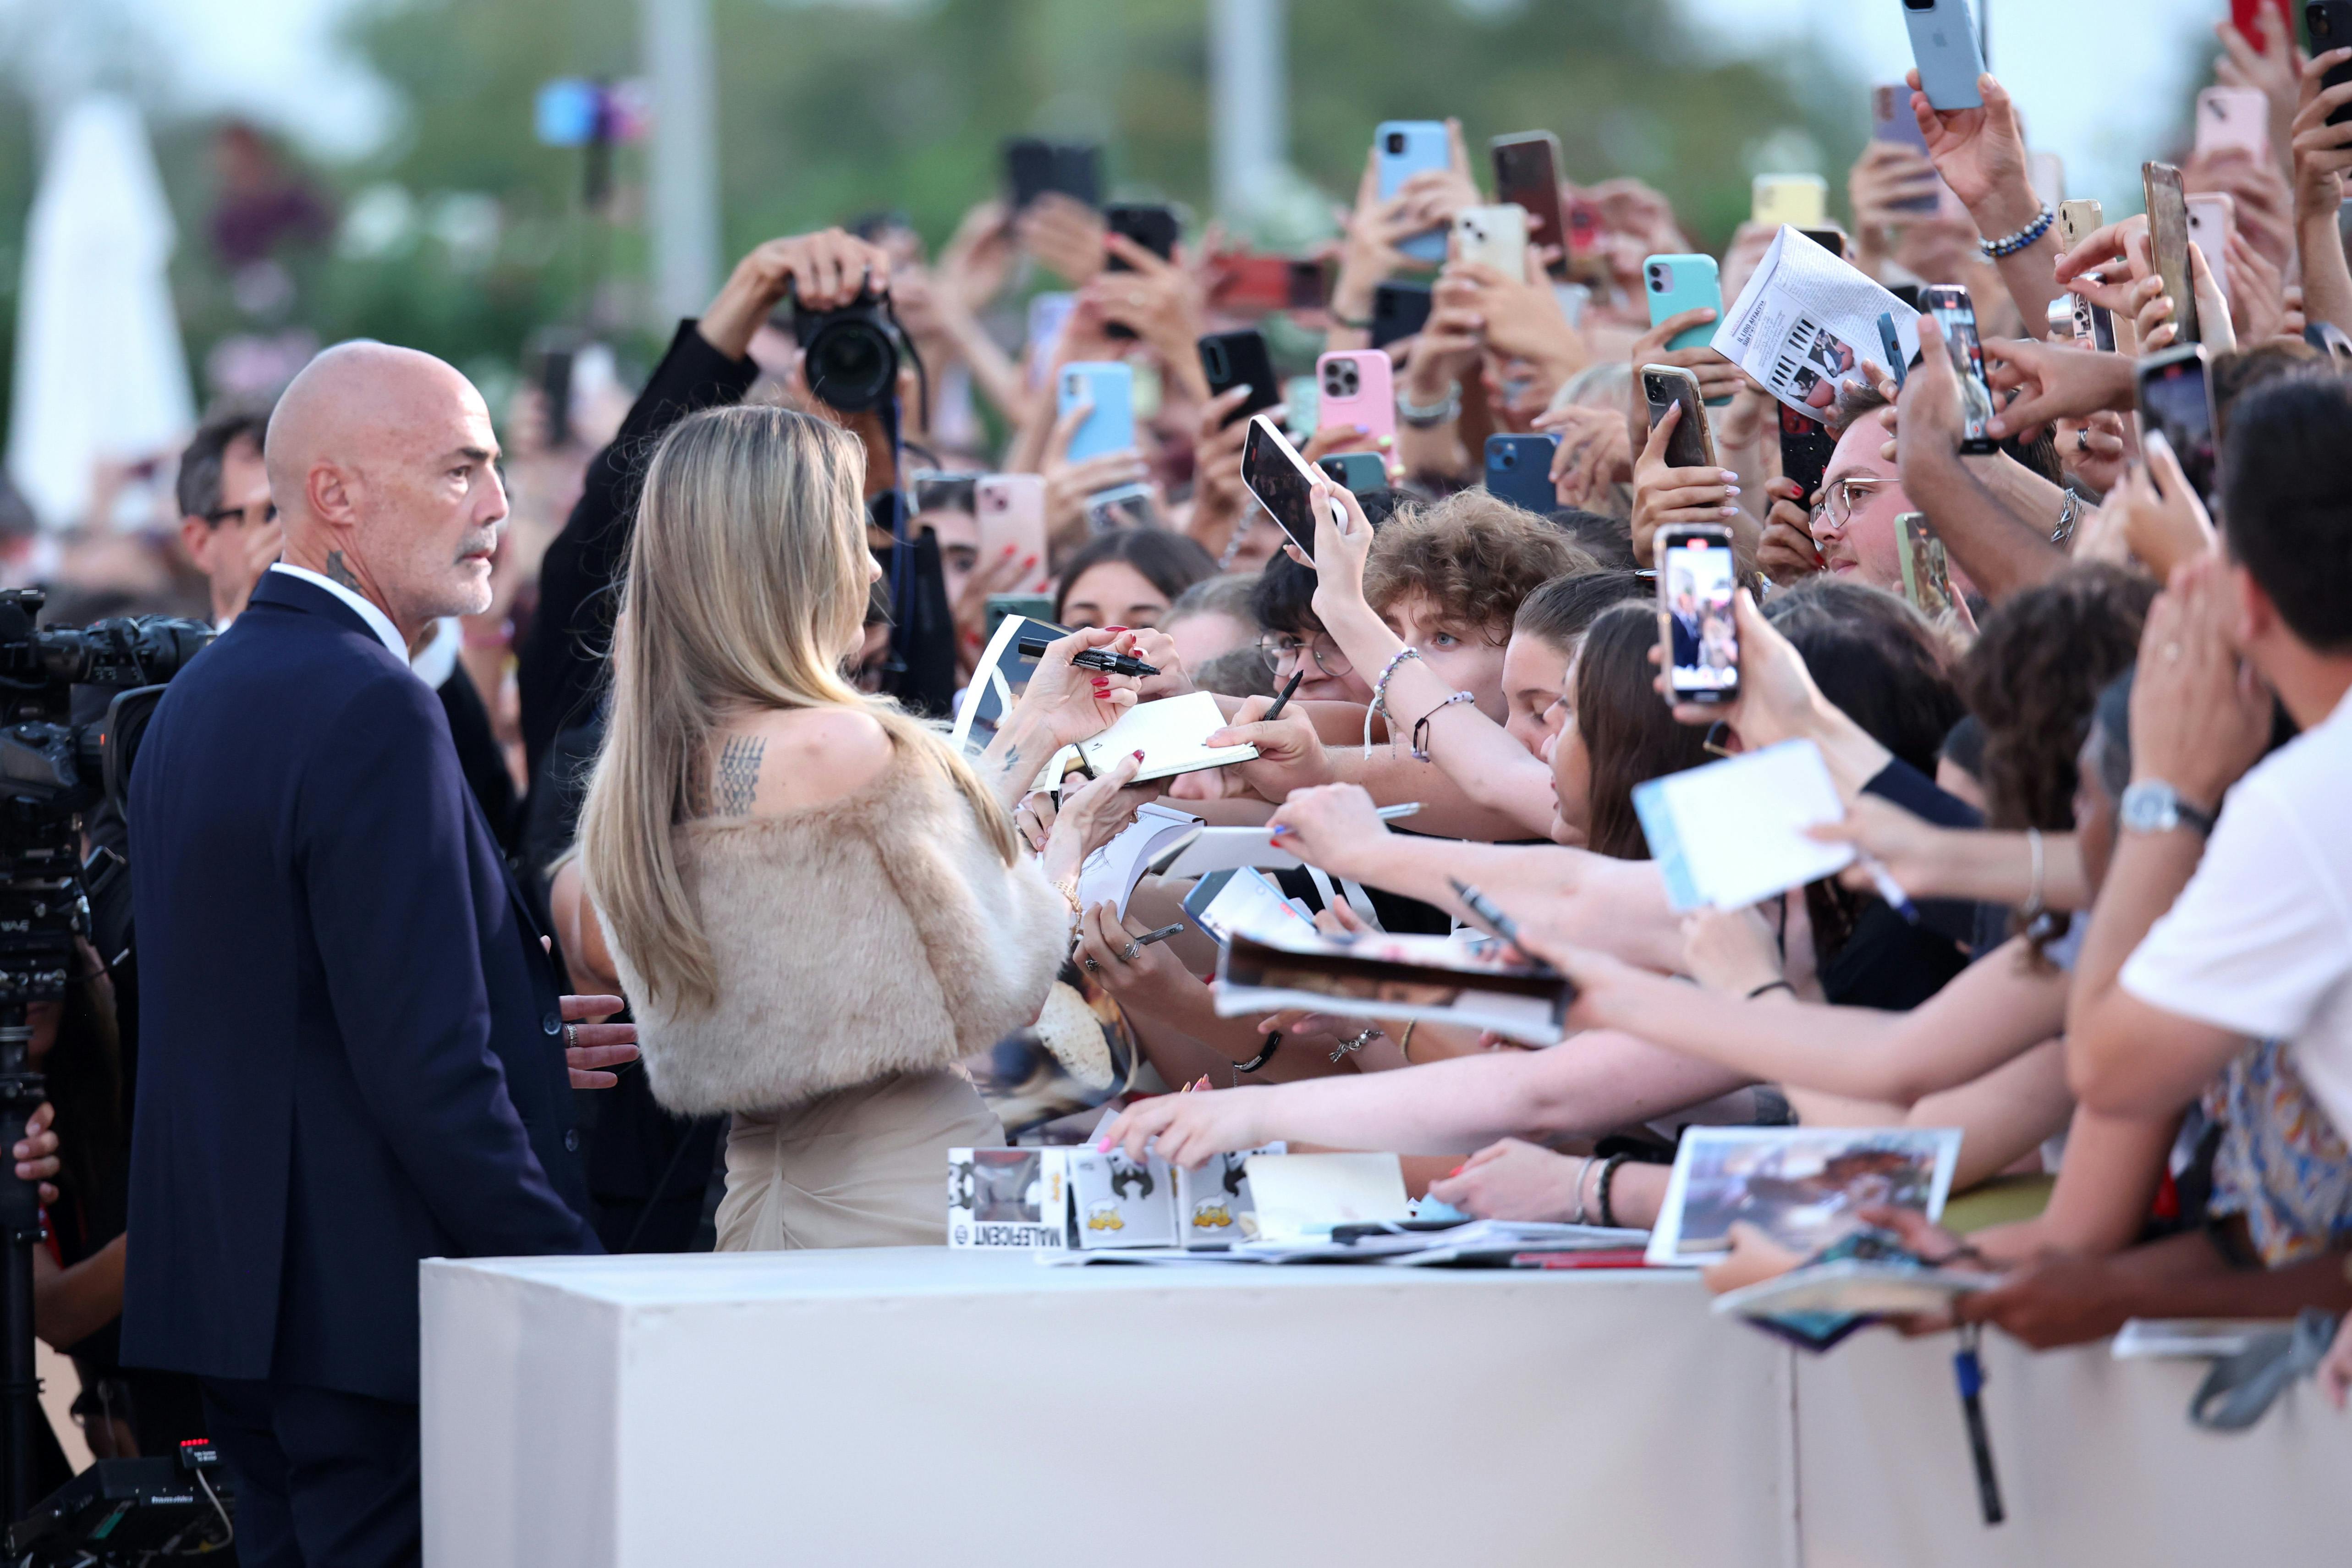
[2083, 440]
[1091, 966]
[572, 1037]
[1126, 955]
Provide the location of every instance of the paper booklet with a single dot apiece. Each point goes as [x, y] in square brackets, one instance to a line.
[1461, 979]
[1804, 1187]
[1229, 849]
[1807, 317]
[1732, 832]
[1819, 1306]
[1108, 876]
[1171, 732]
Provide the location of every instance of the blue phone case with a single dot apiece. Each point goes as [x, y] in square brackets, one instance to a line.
[1110, 427]
[1519, 471]
[1943, 47]
[1423, 148]
[1690, 283]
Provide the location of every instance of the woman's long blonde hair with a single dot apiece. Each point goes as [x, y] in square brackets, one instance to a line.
[747, 585]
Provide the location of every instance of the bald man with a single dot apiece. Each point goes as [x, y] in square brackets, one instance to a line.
[354, 1050]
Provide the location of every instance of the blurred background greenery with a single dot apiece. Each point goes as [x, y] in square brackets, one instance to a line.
[463, 234]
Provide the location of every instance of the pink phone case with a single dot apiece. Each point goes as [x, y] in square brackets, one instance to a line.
[1012, 508]
[2212, 216]
[1357, 388]
[2235, 117]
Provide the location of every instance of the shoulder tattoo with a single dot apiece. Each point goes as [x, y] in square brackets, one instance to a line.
[738, 780]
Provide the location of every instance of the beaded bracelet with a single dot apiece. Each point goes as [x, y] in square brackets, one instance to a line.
[1608, 1175]
[2009, 244]
[1380, 695]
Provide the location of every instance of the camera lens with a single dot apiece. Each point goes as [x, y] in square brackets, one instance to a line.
[2322, 24]
[1212, 360]
[1660, 279]
[852, 364]
[1396, 143]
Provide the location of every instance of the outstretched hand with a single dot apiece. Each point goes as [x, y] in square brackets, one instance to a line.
[588, 1048]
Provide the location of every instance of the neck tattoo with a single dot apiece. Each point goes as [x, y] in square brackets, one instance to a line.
[336, 571]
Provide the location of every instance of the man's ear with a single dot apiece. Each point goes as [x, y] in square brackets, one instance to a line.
[2257, 615]
[332, 495]
[196, 539]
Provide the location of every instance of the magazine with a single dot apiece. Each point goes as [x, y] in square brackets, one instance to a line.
[1803, 1186]
[1807, 321]
[1463, 979]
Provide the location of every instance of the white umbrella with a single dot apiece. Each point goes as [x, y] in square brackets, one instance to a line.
[101, 374]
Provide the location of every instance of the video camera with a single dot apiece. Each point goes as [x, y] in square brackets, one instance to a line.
[52, 770]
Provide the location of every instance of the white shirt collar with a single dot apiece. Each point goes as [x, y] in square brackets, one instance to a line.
[377, 621]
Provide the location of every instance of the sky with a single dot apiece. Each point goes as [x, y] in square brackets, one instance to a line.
[2101, 81]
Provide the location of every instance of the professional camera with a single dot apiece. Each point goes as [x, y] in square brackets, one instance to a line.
[52, 770]
[853, 353]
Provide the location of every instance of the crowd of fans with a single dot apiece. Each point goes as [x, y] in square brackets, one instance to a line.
[2102, 774]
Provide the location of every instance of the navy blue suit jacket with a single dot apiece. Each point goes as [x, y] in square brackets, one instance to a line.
[351, 1054]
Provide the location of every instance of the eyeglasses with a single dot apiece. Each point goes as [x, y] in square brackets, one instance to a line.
[260, 511]
[1280, 649]
[1845, 494]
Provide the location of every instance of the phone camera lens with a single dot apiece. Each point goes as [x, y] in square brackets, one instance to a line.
[1508, 457]
[1658, 279]
[1396, 143]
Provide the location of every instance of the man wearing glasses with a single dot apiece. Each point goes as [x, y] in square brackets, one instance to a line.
[227, 523]
[1861, 496]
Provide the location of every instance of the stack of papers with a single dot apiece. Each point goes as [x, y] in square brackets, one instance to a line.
[1110, 873]
[1462, 979]
[1171, 732]
[1487, 1243]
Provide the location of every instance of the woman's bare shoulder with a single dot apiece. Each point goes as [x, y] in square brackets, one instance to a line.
[789, 759]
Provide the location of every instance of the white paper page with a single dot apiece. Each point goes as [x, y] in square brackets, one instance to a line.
[1301, 1197]
[1741, 822]
[1171, 733]
[1109, 875]
[1229, 849]
[1799, 298]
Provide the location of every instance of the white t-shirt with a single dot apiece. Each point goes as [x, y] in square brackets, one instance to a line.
[2260, 942]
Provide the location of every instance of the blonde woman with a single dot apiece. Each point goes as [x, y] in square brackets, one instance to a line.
[814, 904]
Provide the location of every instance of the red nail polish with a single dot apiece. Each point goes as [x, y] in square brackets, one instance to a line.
[1139, 756]
[1114, 628]
[1458, 1168]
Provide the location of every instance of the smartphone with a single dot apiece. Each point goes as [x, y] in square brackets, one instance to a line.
[1692, 445]
[1403, 148]
[2094, 325]
[1263, 284]
[1033, 167]
[2243, 12]
[555, 392]
[1944, 47]
[1519, 471]
[1148, 224]
[2176, 396]
[1049, 314]
[2330, 22]
[1585, 233]
[1925, 568]
[1957, 314]
[1011, 512]
[2234, 117]
[1696, 579]
[1798, 201]
[1891, 341]
[1495, 237]
[1028, 606]
[1273, 472]
[1357, 389]
[1805, 448]
[1831, 238]
[2211, 217]
[1399, 311]
[1360, 473]
[2168, 235]
[1109, 427]
[1679, 283]
[1240, 359]
[1526, 175]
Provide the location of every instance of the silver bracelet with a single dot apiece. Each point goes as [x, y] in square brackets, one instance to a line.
[1430, 415]
[1358, 1044]
[1583, 1171]
[2067, 515]
[2035, 907]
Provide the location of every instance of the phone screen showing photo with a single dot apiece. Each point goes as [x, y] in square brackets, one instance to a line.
[2177, 401]
[1957, 317]
[1280, 484]
[1697, 578]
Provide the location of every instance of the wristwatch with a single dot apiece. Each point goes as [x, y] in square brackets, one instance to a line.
[2152, 805]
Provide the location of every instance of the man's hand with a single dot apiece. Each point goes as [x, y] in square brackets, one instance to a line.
[2199, 714]
[2322, 151]
[2059, 1300]
[590, 1048]
[2055, 381]
[1927, 418]
[1981, 153]
[825, 271]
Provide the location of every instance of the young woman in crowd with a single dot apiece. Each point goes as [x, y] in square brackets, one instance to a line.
[1129, 577]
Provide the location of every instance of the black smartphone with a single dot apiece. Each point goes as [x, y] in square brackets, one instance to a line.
[1399, 311]
[555, 389]
[1240, 359]
[1360, 473]
[2330, 22]
[2176, 396]
[1696, 579]
[1526, 175]
[1906, 292]
[1833, 240]
[1805, 448]
[1148, 225]
[1033, 167]
[1692, 445]
[1519, 471]
[1957, 314]
[1278, 476]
